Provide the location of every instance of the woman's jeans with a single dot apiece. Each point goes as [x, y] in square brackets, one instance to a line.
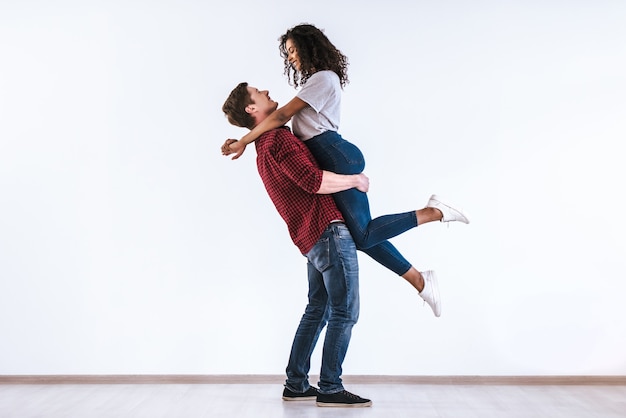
[333, 153]
[333, 273]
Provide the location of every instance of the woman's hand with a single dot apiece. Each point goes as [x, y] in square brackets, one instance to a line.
[233, 146]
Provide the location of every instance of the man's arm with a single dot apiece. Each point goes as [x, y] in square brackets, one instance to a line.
[297, 163]
[333, 182]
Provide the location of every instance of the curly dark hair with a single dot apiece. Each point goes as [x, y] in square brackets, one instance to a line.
[316, 53]
[235, 107]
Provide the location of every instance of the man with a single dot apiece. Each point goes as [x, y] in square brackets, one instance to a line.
[300, 190]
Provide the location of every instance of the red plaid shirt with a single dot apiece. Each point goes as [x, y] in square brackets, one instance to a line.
[292, 178]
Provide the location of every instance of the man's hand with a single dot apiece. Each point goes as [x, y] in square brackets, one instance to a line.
[363, 183]
[233, 146]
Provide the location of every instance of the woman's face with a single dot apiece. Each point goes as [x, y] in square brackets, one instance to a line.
[292, 54]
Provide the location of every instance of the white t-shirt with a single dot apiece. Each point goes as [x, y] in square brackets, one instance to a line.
[322, 92]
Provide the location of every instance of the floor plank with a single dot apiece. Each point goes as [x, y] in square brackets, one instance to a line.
[263, 400]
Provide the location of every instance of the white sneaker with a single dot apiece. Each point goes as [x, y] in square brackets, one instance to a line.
[450, 214]
[430, 292]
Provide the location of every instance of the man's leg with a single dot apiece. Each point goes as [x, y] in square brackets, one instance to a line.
[311, 323]
[341, 278]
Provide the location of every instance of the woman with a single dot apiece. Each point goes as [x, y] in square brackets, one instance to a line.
[315, 66]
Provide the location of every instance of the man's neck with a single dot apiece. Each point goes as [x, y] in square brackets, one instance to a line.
[258, 121]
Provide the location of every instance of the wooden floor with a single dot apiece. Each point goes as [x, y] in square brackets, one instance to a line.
[264, 400]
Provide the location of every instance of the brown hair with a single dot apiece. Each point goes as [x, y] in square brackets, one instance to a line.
[235, 107]
[316, 53]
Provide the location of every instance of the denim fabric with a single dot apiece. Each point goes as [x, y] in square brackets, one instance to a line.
[333, 153]
[333, 274]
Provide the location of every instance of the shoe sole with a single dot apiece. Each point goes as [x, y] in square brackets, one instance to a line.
[344, 405]
[302, 398]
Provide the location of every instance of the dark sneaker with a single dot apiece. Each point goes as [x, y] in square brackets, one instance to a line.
[309, 395]
[342, 399]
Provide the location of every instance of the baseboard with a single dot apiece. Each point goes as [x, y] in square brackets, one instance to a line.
[279, 379]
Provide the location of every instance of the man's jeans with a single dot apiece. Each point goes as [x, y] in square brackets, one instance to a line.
[333, 153]
[333, 274]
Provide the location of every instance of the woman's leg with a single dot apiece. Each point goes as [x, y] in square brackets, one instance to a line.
[370, 235]
[335, 154]
[368, 232]
[355, 209]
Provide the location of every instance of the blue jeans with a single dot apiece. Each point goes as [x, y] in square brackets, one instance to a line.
[333, 274]
[333, 153]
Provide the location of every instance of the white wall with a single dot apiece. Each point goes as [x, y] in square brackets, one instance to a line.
[129, 245]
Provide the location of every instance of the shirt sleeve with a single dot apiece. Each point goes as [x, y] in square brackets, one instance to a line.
[296, 162]
[317, 90]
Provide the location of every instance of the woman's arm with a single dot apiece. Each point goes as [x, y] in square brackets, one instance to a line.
[276, 119]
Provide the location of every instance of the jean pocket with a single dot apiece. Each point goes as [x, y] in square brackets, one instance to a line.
[319, 256]
[341, 231]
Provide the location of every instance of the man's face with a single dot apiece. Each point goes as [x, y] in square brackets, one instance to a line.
[262, 101]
